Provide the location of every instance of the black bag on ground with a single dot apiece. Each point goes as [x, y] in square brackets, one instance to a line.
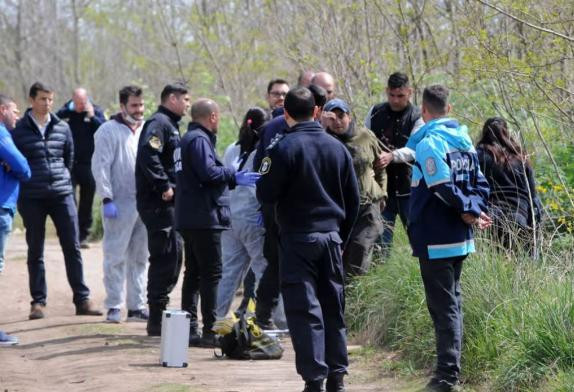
[247, 341]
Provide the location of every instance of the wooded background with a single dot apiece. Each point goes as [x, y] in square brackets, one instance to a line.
[513, 58]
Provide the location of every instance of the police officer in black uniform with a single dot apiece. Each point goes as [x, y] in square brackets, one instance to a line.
[309, 177]
[393, 122]
[269, 288]
[155, 187]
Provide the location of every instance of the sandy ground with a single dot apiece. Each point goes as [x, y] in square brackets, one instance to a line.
[64, 352]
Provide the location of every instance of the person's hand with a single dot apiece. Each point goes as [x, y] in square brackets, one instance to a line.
[167, 195]
[89, 110]
[484, 221]
[110, 210]
[246, 178]
[468, 218]
[327, 118]
[384, 159]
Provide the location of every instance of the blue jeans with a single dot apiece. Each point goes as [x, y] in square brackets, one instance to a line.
[396, 205]
[6, 217]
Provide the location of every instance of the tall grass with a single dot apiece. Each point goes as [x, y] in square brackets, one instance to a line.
[518, 315]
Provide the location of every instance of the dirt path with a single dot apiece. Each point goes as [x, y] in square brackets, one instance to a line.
[64, 352]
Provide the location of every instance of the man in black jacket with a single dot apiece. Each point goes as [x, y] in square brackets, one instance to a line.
[84, 118]
[155, 189]
[308, 175]
[202, 212]
[393, 122]
[47, 144]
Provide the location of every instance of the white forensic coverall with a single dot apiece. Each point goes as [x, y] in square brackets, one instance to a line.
[125, 237]
[242, 246]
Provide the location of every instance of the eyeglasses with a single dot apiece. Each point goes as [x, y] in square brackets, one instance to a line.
[277, 94]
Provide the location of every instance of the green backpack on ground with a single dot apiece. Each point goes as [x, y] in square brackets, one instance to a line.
[247, 341]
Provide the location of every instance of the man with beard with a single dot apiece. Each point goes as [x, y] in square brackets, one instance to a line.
[125, 238]
[393, 122]
[155, 189]
[365, 151]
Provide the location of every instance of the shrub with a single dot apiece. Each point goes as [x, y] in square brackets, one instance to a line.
[519, 316]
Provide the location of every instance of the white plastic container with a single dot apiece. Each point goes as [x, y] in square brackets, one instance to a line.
[174, 338]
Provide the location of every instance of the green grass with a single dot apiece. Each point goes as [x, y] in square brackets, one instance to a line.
[519, 316]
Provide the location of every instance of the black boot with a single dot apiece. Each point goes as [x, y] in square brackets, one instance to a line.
[194, 337]
[154, 320]
[314, 386]
[335, 382]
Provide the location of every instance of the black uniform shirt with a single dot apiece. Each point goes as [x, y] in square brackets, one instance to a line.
[155, 172]
[309, 175]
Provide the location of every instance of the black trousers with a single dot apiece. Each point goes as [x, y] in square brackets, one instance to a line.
[312, 283]
[366, 231]
[165, 254]
[441, 278]
[202, 275]
[269, 288]
[82, 177]
[62, 210]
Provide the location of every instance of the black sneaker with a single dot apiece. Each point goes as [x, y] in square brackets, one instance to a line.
[194, 339]
[266, 325]
[314, 386]
[209, 340]
[439, 385]
[335, 382]
[139, 315]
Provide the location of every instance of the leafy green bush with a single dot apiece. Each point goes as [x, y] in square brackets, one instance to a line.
[519, 316]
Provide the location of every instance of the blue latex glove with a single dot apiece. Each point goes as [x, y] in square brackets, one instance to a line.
[260, 220]
[110, 210]
[246, 178]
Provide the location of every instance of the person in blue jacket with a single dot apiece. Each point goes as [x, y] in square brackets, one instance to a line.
[448, 197]
[202, 213]
[13, 169]
[308, 177]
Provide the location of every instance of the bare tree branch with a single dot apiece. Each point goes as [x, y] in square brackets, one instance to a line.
[545, 30]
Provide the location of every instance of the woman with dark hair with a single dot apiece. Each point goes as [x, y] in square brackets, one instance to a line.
[242, 246]
[515, 207]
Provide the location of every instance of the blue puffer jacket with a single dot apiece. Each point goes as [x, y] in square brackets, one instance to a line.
[50, 157]
[446, 183]
[14, 168]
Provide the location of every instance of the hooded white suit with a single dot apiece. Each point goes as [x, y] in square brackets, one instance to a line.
[125, 237]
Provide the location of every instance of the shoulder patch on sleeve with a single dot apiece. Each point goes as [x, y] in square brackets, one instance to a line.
[430, 166]
[275, 140]
[155, 142]
[265, 165]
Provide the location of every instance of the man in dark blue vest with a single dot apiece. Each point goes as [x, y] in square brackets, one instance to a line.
[202, 213]
[46, 142]
[308, 175]
[393, 122]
